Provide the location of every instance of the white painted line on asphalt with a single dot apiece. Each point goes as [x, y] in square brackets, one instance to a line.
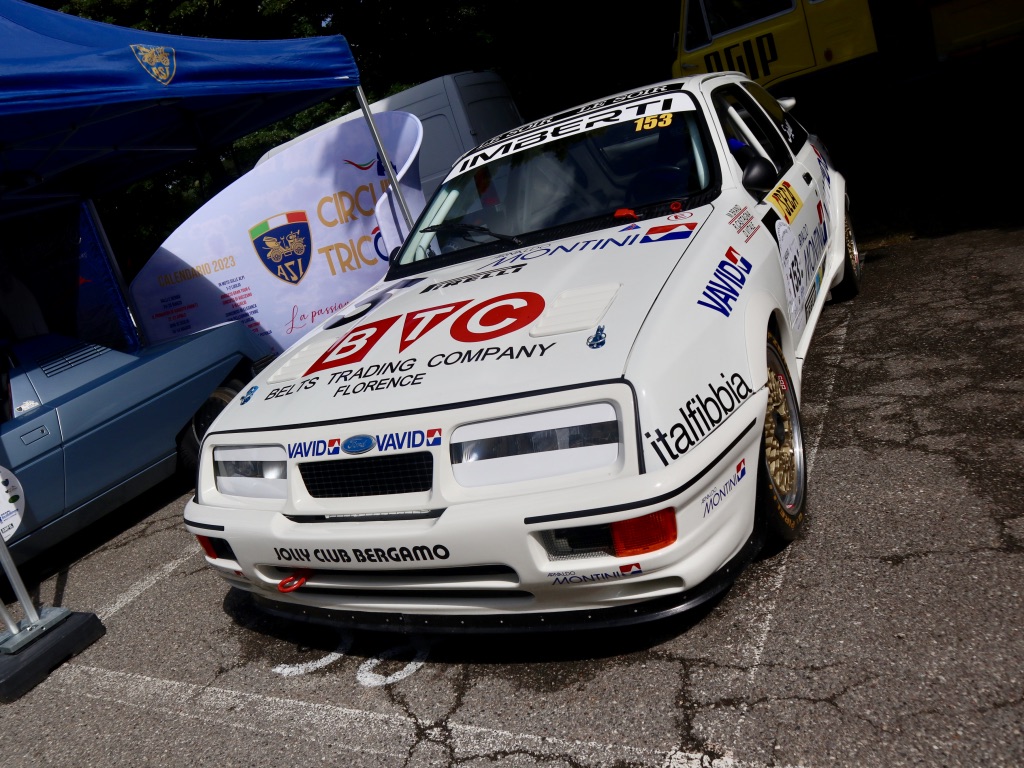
[136, 589]
[831, 364]
[838, 339]
[366, 677]
[294, 720]
[352, 730]
[294, 670]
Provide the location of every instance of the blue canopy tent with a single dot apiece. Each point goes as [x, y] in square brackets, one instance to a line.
[87, 108]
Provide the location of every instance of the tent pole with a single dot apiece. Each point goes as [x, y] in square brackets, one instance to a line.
[388, 168]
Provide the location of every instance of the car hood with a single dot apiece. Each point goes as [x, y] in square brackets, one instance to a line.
[555, 315]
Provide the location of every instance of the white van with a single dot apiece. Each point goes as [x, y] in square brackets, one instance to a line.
[458, 112]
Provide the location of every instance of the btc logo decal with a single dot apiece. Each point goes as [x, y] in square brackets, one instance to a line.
[483, 321]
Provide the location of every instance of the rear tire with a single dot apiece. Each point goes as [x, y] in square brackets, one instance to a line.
[849, 286]
[199, 424]
[782, 472]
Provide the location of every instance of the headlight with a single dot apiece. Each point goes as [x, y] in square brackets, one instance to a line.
[536, 445]
[257, 471]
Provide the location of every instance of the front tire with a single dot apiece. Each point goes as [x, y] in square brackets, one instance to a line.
[192, 436]
[782, 473]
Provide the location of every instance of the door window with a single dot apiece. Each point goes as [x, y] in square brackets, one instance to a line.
[748, 128]
[794, 133]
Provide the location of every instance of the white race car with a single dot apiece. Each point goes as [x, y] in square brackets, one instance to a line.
[574, 398]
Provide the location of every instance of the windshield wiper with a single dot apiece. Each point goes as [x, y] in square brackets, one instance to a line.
[460, 228]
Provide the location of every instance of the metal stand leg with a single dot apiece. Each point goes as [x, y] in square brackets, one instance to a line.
[42, 641]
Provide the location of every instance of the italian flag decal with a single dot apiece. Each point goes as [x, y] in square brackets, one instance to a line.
[292, 217]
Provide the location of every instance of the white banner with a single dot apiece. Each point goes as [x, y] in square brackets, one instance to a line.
[289, 243]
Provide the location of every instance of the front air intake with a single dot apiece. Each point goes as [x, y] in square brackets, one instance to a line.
[369, 476]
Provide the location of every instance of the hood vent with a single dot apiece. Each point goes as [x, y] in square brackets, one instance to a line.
[578, 309]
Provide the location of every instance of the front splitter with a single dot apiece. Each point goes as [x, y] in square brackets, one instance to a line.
[553, 621]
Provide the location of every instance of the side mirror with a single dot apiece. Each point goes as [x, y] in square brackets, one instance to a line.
[759, 176]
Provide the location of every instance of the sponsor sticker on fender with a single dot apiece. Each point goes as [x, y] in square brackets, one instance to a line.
[743, 222]
[559, 578]
[718, 494]
[726, 282]
[699, 416]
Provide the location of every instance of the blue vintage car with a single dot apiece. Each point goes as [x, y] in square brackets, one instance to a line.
[92, 415]
[91, 412]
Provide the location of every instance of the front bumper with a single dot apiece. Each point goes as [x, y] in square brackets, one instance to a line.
[496, 623]
[482, 564]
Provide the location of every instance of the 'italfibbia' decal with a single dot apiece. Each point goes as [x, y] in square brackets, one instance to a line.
[157, 60]
[284, 245]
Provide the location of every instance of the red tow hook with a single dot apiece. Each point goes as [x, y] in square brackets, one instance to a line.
[293, 582]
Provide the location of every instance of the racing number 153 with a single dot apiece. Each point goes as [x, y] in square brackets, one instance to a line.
[653, 121]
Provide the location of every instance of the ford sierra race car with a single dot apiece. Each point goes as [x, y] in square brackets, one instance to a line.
[574, 398]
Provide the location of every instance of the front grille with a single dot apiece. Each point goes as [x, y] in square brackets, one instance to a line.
[369, 476]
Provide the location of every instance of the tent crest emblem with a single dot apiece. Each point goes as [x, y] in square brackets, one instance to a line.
[158, 61]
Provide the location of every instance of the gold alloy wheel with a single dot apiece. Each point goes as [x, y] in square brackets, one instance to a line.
[779, 444]
[852, 251]
[853, 264]
[782, 474]
[778, 439]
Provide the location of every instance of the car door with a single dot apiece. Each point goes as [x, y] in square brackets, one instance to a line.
[814, 237]
[113, 409]
[30, 446]
[796, 216]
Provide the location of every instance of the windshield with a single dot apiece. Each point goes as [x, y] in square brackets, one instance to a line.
[530, 183]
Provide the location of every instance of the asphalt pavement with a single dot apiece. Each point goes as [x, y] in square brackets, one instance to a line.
[888, 634]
